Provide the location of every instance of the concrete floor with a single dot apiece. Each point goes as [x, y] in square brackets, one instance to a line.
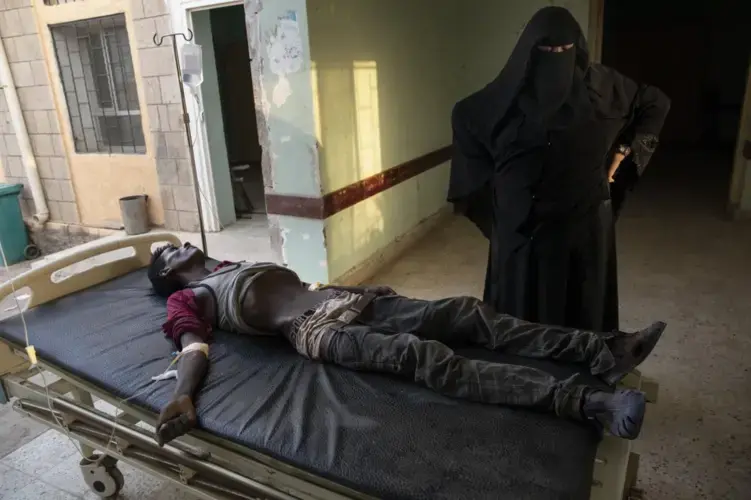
[680, 261]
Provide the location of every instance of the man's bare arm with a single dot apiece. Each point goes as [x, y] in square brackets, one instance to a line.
[179, 416]
[190, 330]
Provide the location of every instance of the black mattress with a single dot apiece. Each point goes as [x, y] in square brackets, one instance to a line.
[376, 434]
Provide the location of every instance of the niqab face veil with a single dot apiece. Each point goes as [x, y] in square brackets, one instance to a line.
[560, 85]
[548, 80]
[552, 76]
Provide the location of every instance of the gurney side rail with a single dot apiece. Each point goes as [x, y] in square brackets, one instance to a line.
[45, 288]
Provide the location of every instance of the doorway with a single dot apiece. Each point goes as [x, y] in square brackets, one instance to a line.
[698, 54]
[228, 112]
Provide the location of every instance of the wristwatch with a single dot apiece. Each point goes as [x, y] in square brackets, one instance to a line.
[624, 150]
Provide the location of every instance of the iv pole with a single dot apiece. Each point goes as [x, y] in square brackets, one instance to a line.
[158, 41]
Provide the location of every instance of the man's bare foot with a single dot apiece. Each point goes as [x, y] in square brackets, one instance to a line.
[176, 419]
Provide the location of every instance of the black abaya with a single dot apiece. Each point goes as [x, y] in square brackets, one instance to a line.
[530, 166]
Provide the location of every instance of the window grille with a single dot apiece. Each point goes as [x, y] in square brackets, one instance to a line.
[100, 88]
[58, 2]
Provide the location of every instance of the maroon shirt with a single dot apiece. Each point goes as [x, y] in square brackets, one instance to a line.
[185, 315]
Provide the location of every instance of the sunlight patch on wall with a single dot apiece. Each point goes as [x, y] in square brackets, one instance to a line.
[367, 119]
[316, 101]
[365, 79]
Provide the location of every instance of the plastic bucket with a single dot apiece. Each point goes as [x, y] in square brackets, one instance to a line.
[134, 214]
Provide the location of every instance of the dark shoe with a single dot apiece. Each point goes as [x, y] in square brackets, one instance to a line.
[621, 413]
[631, 349]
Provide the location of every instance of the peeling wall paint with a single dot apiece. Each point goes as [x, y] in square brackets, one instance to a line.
[275, 237]
[252, 28]
[280, 64]
[282, 92]
[285, 52]
[304, 248]
[285, 46]
[280, 59]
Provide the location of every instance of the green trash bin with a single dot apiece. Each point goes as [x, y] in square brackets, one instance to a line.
[13, 235]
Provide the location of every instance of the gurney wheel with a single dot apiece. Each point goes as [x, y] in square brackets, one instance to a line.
[102, 476]
[32, 252]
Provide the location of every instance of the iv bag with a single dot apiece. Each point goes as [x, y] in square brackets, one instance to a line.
[192, 65]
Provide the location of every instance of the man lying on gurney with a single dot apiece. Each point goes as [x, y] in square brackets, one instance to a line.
[374, 329]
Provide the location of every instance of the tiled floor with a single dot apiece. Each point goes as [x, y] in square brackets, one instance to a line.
[39, 463]
[680, 261]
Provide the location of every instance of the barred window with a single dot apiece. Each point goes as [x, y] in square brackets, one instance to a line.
[100, 85]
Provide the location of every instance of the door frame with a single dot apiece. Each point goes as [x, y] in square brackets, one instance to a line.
[182, 20]
[742, 157]
[595, 31]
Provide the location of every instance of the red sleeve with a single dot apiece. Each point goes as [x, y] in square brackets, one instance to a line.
[222, 264]
[183, 316]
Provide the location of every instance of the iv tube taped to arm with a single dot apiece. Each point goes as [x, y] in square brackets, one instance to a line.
[196, 346]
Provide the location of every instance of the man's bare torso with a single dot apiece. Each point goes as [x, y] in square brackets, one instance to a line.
[275, 299]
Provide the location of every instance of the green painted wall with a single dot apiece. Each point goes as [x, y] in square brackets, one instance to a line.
[280, 62]
[281, 43]
[212, 108]
[385, 76]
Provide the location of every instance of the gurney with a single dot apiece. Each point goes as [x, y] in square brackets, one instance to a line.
[272, 424]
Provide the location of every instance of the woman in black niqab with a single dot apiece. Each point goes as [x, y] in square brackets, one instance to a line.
[531, 168]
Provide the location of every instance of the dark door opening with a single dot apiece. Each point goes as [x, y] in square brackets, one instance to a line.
[698, 54]
[238, 109]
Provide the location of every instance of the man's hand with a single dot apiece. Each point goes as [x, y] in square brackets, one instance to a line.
[617, 159]
[176, 419]
[380, 290]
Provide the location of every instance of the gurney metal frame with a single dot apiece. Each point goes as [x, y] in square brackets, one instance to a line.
[203, 464]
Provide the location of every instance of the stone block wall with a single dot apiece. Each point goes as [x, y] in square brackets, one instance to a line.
[23, 47]
[18, 29]
[164, 109]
